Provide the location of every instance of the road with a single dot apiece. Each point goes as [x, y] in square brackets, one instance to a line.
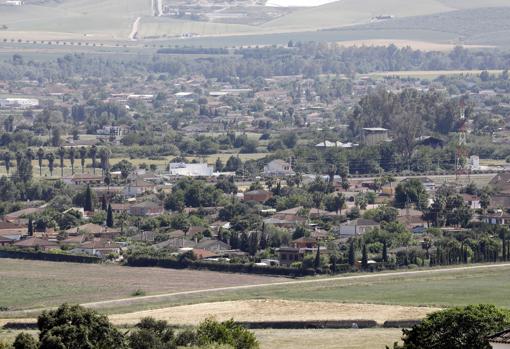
[168, 296]
[134, 30]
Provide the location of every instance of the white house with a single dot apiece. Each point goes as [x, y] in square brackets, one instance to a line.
[190, 170]
[18, 102]
[356, 227]
[278, 168]
[500, 340]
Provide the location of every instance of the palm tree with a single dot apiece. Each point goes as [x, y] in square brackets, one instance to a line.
[7, 161]
[51, 162]
[40, 157]
[61, 154]
[83, 155]
[104, 155]
[72, 155]
[93, 154]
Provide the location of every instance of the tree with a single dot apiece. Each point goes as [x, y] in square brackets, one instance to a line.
[7, 161]
[40, 157]
[457, 328]
[218, 166]
[83, 155]
[352, 253]
[411, 191]
[317, 262]
[93, 154]
[55, 137]
[30, 227]
[88, 203]
[72, 326]
[61, 154]
[51, 162]
[109, 217]
[152, 334]
[364, 257]
[385, 251]
[72, 156]
[25, 341]
[24, 170]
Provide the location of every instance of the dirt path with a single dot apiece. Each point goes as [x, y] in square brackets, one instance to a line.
[134, 30]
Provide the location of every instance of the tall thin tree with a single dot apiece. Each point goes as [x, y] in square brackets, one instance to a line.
[83, 156]
[72, 156]
[61, 154]
[51, 162]
[40, 157]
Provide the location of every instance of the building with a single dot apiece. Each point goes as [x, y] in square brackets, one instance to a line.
[18, 102]
[36, 243]
[356, 227]
[500, 340]
[84, 179]
[98, 247]
[278, 168]
[258, 195]
[497, 218]
[374, 135]
[138, 187]
[146, 208]
[190, 170]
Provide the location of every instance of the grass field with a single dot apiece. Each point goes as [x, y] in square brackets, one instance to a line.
[31, 284]
[35, 284]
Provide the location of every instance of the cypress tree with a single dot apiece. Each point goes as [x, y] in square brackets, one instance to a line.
[104, 205]
[352, 254]
[30, 227]
[245, 243]
[385, 252]
[317, 262]
[87, 202]
[253, 243]
[364, 257]
[109, 217]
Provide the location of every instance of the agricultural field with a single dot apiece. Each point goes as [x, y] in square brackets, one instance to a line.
[421, 24]
[36, 284]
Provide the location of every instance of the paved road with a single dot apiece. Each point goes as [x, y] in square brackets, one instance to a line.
[162, 297]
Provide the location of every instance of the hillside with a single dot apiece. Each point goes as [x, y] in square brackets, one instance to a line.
[434, 21]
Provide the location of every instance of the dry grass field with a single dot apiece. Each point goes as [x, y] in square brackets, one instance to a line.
[275, 310]
[376, 338]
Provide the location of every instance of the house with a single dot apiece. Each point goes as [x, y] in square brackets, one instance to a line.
[195, 229]
[213, 245]
[372, 136]
[74, 240]
[144, 236]
[356, 227]
[15, 216]
[278, 168]
[36, 243]
[84, 179]
[98, 247]
[500, 201]
[336, 144]
[204, 254]
[174, 244]
[138, 187]
[500, 340]
[473, 201]
[497, 218]
[289, 255]
[146, 208]
[7, 240]
[304, 242]
[89, 228]
[190, 170]
[18, 102]
[258, 195]
[411, 218]
[120, 208]
[9, 229]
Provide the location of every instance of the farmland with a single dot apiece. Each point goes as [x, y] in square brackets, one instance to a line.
[112, 20]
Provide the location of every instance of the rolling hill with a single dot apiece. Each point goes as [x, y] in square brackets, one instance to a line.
[451, 22]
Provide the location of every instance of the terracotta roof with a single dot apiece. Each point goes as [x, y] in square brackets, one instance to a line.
[201, 253]
[9, 226]
[502, 337]
[34, 242]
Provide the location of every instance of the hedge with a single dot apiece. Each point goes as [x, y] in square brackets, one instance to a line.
[44, 256]
[216, 266]
[331, 324]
